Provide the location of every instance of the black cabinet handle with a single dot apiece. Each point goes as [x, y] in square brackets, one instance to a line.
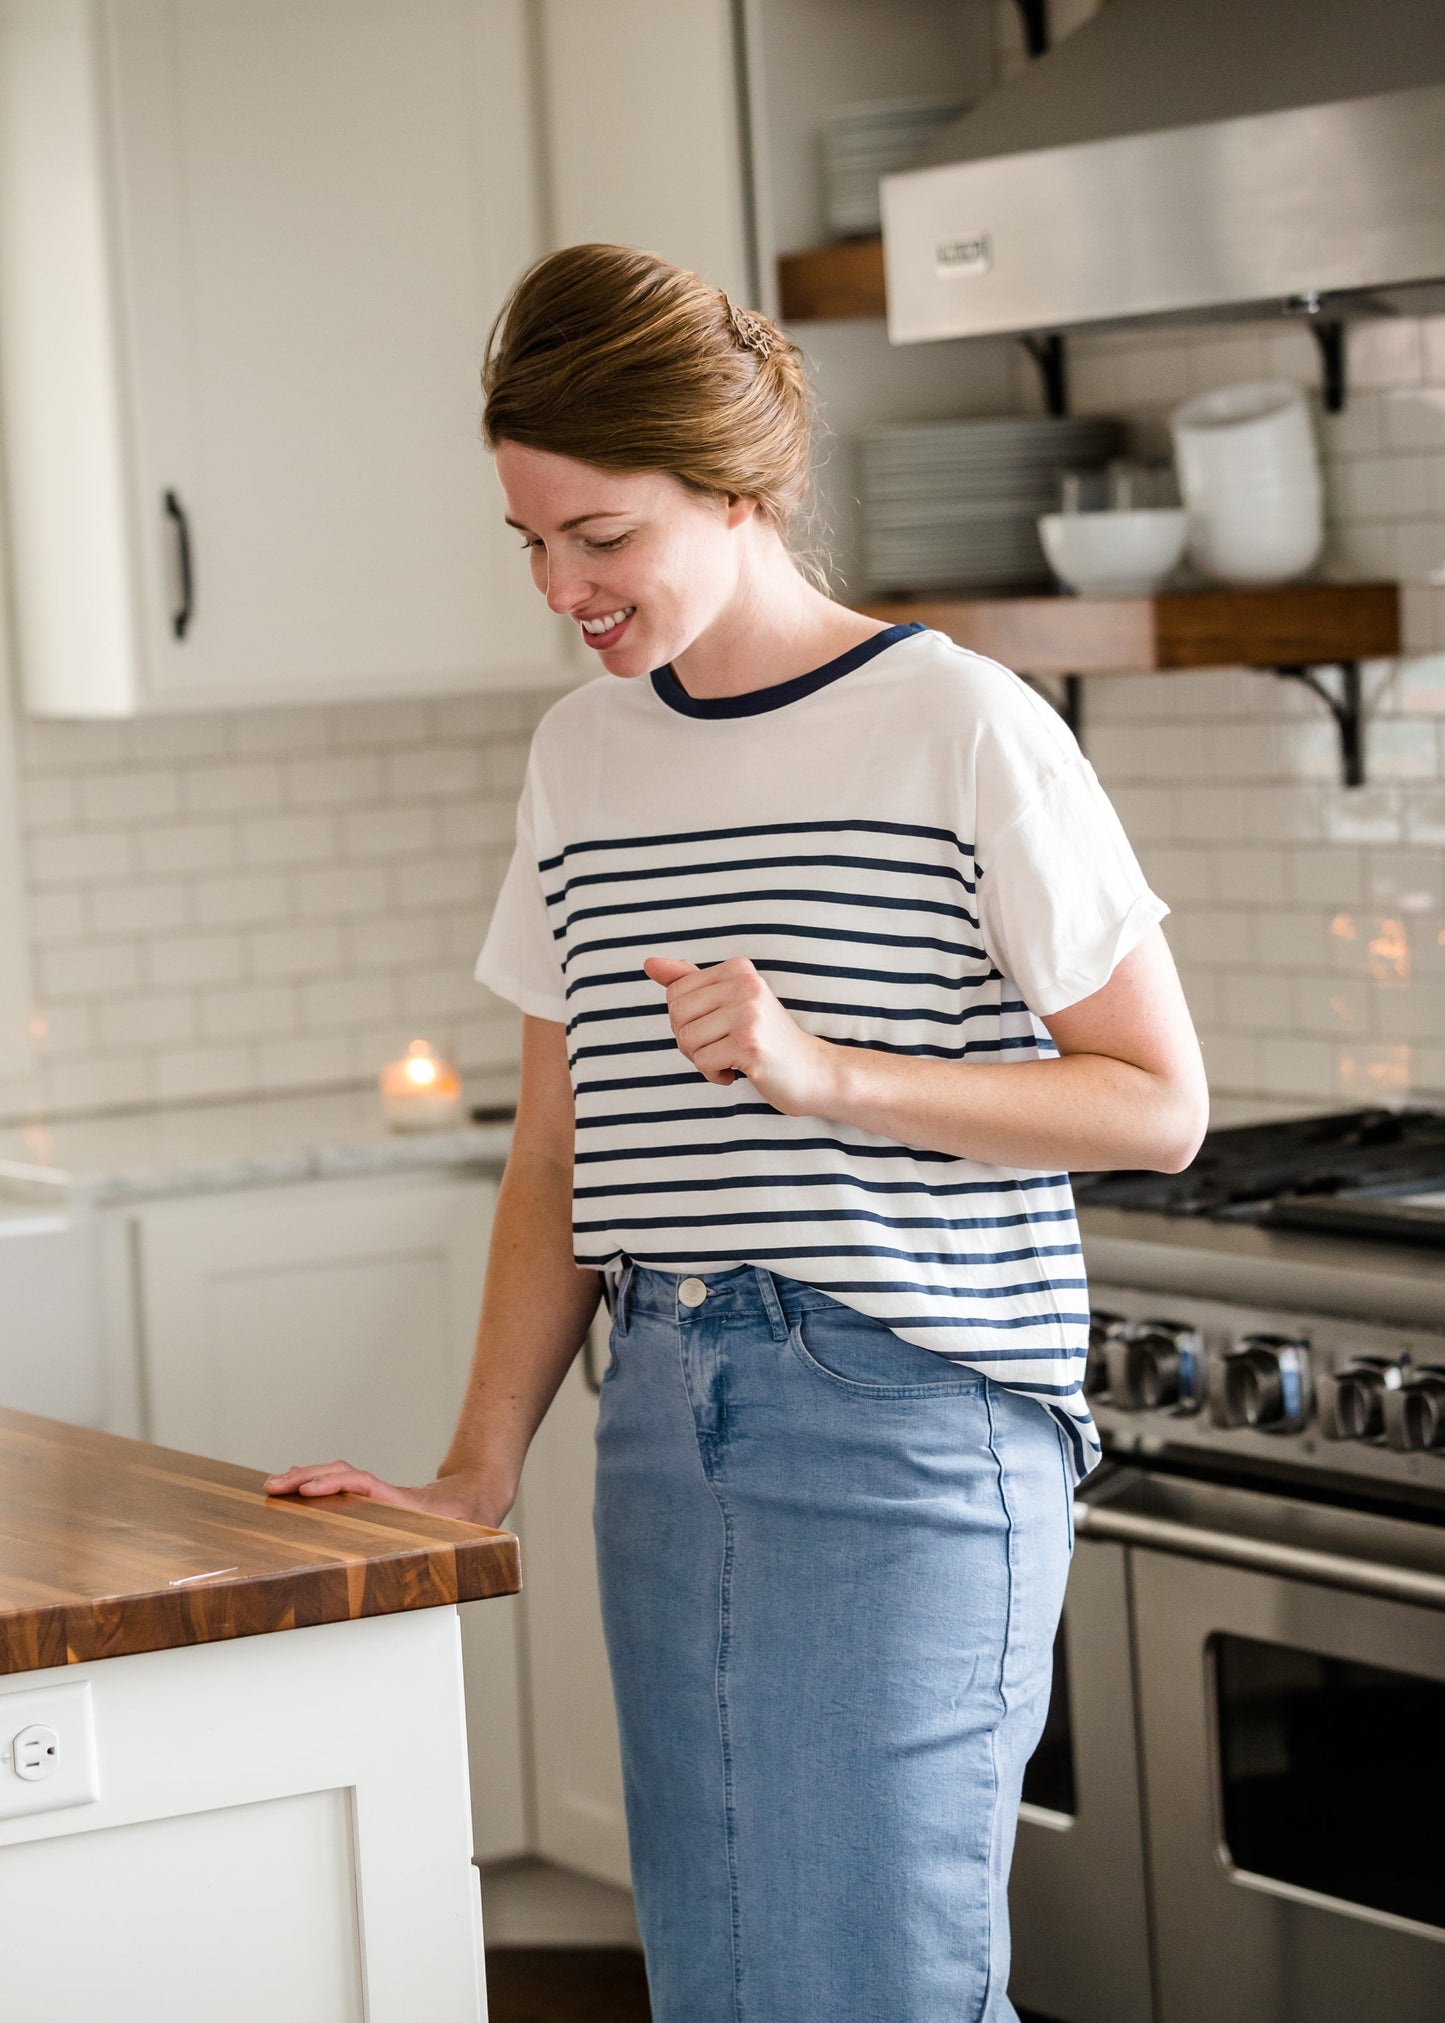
[181, 616]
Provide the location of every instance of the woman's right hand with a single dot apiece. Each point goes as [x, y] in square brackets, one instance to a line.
[470, 1494]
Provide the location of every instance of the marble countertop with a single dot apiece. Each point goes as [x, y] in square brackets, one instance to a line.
[212, 1147]
[261, 1141]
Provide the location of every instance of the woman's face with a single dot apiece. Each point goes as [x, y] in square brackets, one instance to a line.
[640, 543]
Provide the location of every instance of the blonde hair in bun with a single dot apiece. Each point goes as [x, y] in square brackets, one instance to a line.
[620, 359]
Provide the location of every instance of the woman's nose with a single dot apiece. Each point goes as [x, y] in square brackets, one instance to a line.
[567, 591]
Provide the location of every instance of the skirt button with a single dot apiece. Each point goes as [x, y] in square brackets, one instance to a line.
[692, 1292]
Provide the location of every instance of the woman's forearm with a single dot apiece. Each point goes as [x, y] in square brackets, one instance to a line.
[1077, 1113]
[1096, 1106]
[536, 1309]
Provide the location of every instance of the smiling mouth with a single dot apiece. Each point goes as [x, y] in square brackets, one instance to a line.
[598, 628]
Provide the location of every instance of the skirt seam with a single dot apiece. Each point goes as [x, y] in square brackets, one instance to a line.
[725, 1734]
[701, 1442]
[991, 1909]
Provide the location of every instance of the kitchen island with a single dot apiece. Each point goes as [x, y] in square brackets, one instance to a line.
[233, 1763]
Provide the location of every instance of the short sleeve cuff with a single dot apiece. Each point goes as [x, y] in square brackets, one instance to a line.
[535, 1003]
[1093, 971]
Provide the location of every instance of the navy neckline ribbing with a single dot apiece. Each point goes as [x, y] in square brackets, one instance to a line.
[756, 701]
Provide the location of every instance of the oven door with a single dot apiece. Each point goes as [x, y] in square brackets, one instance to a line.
[1291, 1679]
[1076, 1895]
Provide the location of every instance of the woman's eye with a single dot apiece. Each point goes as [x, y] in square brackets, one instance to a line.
[616, 542]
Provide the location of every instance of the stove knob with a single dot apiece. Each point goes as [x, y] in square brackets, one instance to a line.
[1263, 1381]
[1415, 1411]
[1350, 1402]
[1155, 1367]
[1103, 1327]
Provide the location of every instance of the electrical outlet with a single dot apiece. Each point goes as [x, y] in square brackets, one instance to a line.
[47, 1749]
[36, 1753]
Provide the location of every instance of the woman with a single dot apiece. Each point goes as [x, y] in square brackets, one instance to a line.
[833, 960]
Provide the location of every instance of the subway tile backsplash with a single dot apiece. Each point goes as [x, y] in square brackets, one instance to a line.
[280, 899]
[266, 900]
[1308, 918]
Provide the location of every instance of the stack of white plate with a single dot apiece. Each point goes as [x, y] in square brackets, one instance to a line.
[955, 504]
[863, 142]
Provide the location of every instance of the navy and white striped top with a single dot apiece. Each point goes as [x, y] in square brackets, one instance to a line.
[911, 848]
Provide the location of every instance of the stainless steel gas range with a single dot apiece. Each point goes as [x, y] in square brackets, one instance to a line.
[1237, 1813]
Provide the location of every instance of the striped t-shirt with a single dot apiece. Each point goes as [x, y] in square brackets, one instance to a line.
[910, 847]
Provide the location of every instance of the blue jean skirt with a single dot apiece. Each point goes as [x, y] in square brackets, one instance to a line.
[831, 1568]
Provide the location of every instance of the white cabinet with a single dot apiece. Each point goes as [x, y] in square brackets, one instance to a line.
[249, 254]
[50, 1332]
[298, 1323]
[577, 1768]
[281, 1321]
[644, 139]
[280, 1832]
[15, 1051]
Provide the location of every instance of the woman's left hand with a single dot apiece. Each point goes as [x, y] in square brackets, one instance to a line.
[728, 1023]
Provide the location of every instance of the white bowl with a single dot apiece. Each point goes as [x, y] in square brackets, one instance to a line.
[1129, 553]
[1257, 549]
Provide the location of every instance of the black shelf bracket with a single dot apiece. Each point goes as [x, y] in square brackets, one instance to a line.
[1070, 705]
[1328, 333]
[1330, 339]
[1034, 14]
[1347, 709]
[1047, 354]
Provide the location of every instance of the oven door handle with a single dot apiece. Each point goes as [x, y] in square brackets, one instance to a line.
[1261, 1555]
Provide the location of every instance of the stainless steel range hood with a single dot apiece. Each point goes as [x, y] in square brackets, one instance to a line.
[1185, 158]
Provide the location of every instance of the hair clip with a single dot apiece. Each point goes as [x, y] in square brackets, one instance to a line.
[750, 330]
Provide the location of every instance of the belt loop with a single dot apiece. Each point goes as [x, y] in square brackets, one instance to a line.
[772, 1303]
[624, 1288]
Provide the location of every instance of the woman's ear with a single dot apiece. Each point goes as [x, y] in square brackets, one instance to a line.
[739, 508]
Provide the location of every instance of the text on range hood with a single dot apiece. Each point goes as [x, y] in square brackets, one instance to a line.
[1184, 157]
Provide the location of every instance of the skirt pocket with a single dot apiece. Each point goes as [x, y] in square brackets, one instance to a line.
[854, 1352]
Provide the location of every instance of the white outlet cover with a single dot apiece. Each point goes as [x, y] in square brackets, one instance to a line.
[75, 1780]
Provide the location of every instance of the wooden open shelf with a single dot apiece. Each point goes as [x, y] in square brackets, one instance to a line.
[1288, 632]
[840, 282]
[1300, 625]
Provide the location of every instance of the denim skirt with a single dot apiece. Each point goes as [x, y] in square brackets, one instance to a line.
[831, 1569]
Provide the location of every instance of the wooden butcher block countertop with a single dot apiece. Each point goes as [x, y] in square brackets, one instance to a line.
[111, 1546]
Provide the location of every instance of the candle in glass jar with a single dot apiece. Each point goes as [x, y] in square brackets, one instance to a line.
[420, 1092]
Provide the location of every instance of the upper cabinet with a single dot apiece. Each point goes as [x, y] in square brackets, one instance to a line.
[645, 138]
[249, 254]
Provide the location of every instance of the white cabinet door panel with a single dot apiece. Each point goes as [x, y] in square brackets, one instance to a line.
[580, 1817]
[16, 1056]
[322, 204]
[332, 1318]
[151, 1887]
[249, 254]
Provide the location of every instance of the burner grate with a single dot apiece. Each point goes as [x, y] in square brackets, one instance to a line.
[1239, 1172]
